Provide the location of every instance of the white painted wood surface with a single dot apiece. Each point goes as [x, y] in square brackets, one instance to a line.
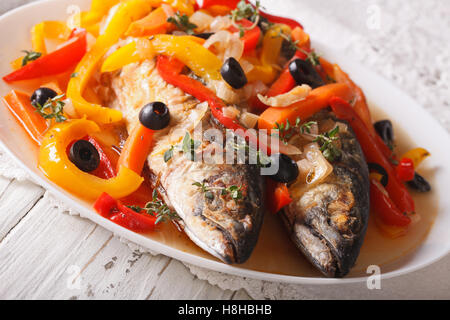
[48, 255]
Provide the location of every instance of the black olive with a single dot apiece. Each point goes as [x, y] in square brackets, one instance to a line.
[155, 116]
[304, 72]
[287, 50]
[385, 130]
[379, 169]
[84, 155]
[419, 184]
[205, 36]
[41, 96]
[287, 168]
[233, 74]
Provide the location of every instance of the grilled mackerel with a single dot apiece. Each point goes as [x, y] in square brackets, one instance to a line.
[224, 226]
[328, 221]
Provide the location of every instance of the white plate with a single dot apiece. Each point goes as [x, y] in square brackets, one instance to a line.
[423, 130]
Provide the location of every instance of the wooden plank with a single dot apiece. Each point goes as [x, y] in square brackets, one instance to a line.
[177, 283]
[16, 199]
[49, 255]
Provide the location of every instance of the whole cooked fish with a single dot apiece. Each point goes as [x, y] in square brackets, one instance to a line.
[328, 221]
[224, 226]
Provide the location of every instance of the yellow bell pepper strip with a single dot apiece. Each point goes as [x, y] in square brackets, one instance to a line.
[38, 38]
[199, 59]
[183, 6]
[126, 13]
[124, 56]
[99, 8]
[417, 155]
[55, 164]
[136, 51]
[272, 42]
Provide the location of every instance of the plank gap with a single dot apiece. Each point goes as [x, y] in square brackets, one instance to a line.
[20, 220]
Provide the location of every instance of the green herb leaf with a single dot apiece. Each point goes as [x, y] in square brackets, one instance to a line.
[189, 146]
[74, 75]
[327, 141]
[168, 154]
[52, 109]
[182, 23]
[30, 56]
[245, 10]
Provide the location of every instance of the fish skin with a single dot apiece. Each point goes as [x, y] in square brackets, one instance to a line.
[225, 228]
[328, 222]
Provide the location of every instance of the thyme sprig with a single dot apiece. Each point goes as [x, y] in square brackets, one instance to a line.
[157, 208]
[327, 142]
[30, 56]
[245, 10]
[311, 56]
[188, 147]
[235, 192]
[286, 131]
[182, 23]
[52, 109]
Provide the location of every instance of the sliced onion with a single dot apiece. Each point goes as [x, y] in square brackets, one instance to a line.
[313, 132]
[314, 168]
[224, 91]
[220, 23]
[297, 94]
[276, 145]
[249, 120]
[69, 108]
[226, 44]
[202, 20]
[231, 112]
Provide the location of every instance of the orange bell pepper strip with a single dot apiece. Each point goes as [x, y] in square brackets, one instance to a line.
[136, 149]
[154, 23]
[18, 103]
[57, 167]
[317, 100]
[302, 38]
[126, 13]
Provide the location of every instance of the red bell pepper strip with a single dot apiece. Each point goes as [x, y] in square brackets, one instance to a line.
[405, 170]
[232, 4]
[169, 69]
[383, 206]
[277, 196]
[113, 210]
[53, 63]
[397, 191]
[250, 37]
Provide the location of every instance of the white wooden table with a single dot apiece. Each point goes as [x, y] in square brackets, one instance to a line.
[42, 251]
